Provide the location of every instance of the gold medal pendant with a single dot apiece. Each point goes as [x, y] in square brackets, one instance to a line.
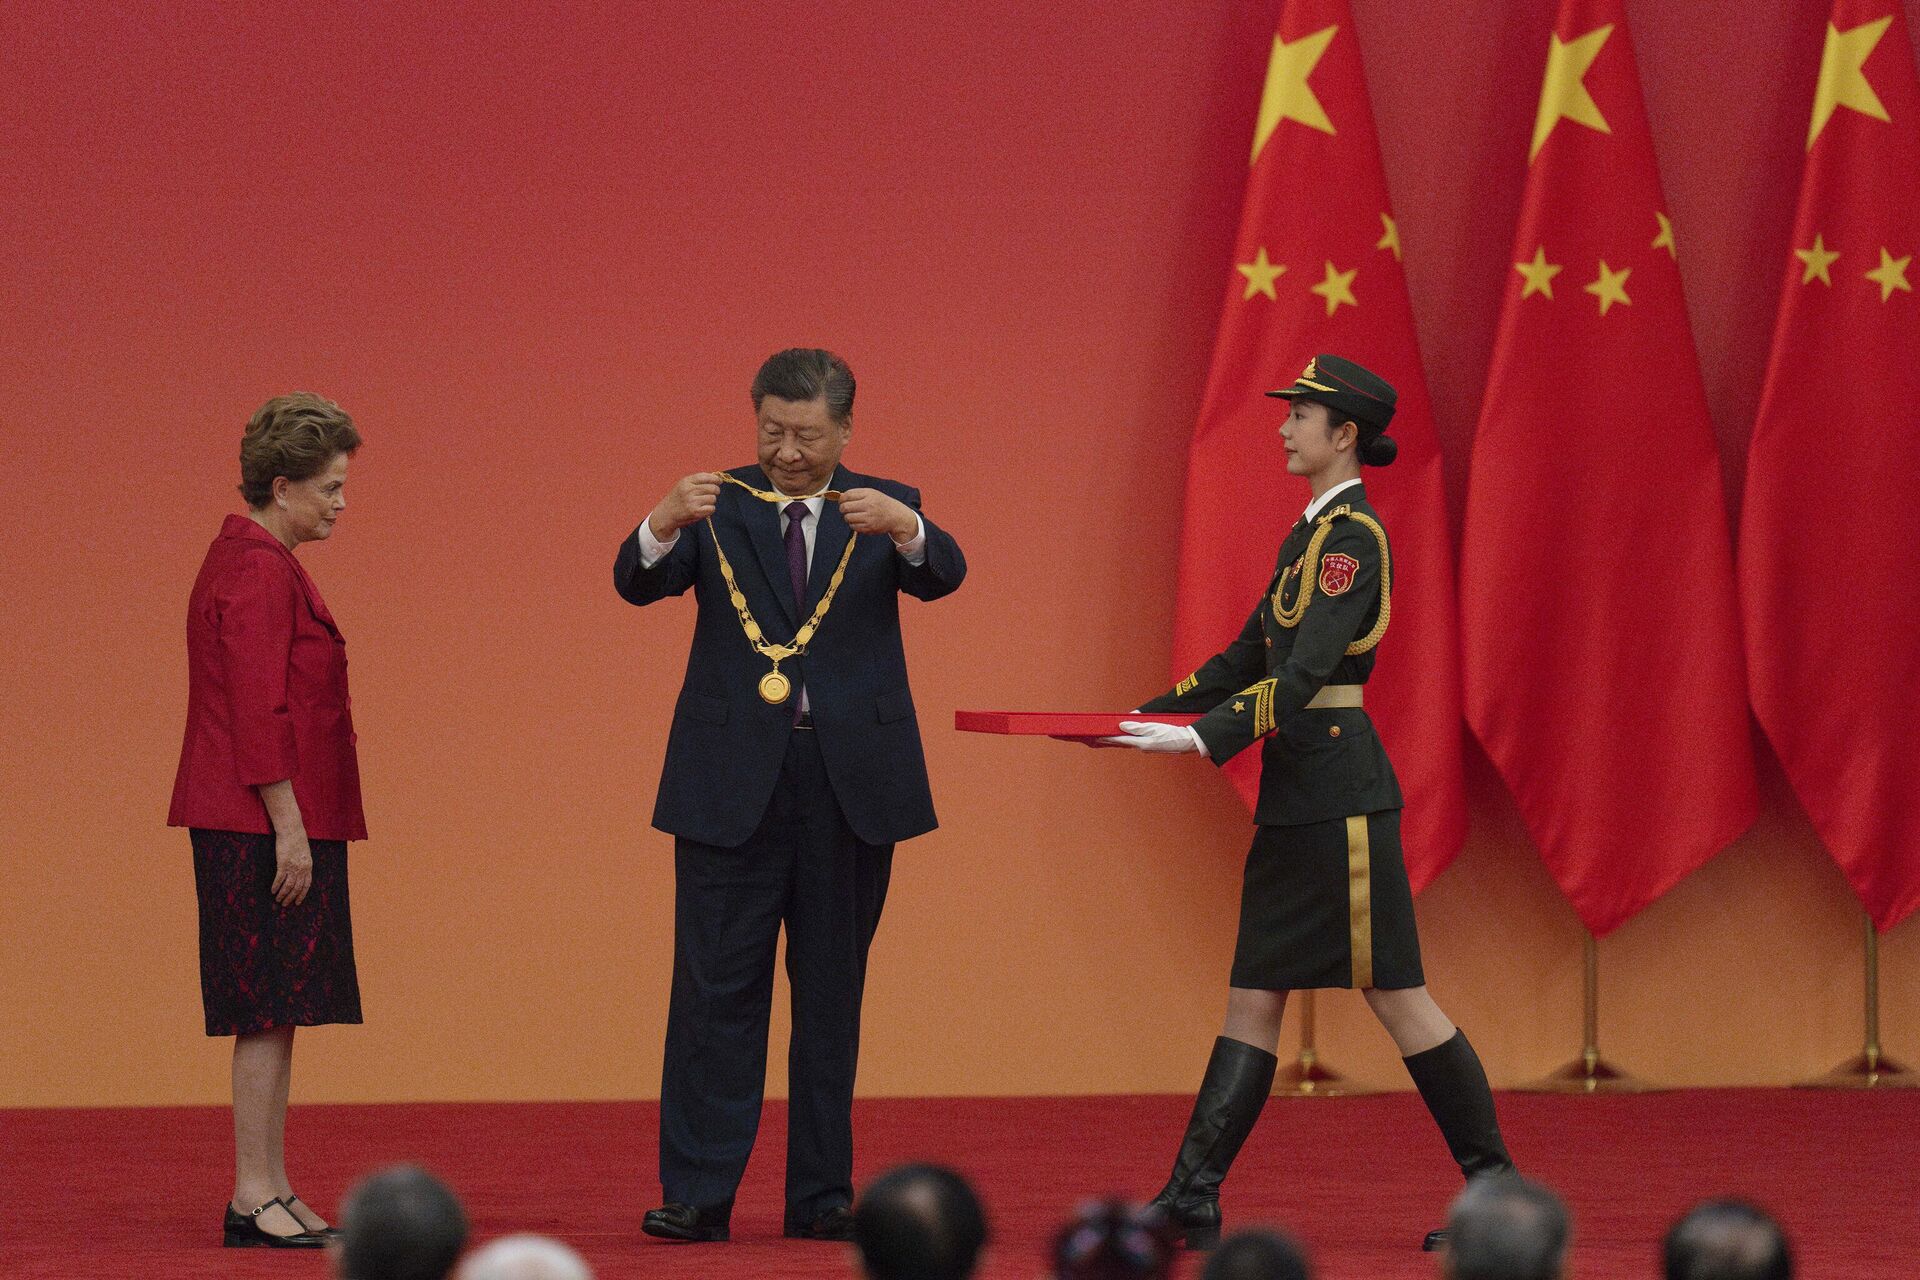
[775, 688]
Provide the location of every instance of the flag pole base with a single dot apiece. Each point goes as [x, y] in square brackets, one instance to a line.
[1870, 1069]
[1306, 1076]
[1590, 1073]
[1865, 1071]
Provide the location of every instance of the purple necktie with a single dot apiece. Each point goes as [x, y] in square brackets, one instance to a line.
[797, 554]
[797, 570]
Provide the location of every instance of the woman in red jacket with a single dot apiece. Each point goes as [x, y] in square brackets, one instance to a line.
[270, 787]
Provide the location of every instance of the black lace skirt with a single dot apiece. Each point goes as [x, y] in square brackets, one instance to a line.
[263, 965]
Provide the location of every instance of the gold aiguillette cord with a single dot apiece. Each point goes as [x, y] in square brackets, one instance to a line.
[775, 687]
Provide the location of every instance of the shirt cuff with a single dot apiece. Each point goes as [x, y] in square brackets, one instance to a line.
[1199, 744]
[914, 549]
[651, 548]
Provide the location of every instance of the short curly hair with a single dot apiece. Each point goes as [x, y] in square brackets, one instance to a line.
[297, 436]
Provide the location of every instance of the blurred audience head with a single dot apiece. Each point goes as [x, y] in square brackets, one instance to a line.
[1113, 1240]
[919, 1222]
[524, 1257]
[1506, 1229]
[1728, 1240]
[399, 1224]
[1257, 1255]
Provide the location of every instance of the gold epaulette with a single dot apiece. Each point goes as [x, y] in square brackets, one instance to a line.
[1310, 574]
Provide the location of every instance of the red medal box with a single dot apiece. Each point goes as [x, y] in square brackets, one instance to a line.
[1062, 724]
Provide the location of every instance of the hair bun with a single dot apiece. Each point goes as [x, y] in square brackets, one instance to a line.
[1380, 451]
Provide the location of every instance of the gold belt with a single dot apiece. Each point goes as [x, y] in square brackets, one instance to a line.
[1337, 695]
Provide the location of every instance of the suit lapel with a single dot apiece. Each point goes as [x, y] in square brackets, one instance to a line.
[1290, 548]
[829, 540]
[314, 603]
[242, 527]
[762, 520]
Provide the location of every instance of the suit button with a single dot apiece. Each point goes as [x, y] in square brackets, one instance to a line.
[1333, 731]
[1269, 642]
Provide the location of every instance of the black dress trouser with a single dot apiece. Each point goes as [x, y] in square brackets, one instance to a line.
[803, 868]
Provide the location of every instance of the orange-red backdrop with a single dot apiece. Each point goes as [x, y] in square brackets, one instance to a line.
[538, 257]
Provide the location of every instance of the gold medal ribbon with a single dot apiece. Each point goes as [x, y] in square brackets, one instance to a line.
[767, 495]
[775, 687]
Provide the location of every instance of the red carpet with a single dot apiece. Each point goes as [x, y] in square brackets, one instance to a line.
[138, 1192]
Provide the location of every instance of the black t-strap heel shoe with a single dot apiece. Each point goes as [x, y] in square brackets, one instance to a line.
[325, 1233]
[243, 1231]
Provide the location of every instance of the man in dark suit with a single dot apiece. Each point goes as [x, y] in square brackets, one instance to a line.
[793, 767]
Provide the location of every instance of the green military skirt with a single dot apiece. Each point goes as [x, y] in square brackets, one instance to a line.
[1327, 904]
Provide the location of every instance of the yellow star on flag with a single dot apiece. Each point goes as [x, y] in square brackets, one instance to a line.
[1842, 82]
[1261, 274]
[1610, 287]
[1336, 288]
[1287, 95]
[1538, 274]
[1390, 238]
[1817, 260]
[1665, 239]
[1564, 96]
[1891, 274]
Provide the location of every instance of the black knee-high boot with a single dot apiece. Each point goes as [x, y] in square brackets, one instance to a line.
[1239, 1078]
[1453, 1084]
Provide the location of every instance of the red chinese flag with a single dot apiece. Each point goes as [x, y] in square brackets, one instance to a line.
[1317, 268]
[1828, 570]
[1602, 644]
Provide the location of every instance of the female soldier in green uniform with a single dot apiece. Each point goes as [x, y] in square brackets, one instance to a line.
[1325, 900]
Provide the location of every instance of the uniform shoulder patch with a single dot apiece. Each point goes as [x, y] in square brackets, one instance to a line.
[1336, 573]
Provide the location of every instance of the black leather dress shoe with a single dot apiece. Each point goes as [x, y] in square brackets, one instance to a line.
[1435, 1241]
[684, 1222]
[243, 1231]
[834, 1224]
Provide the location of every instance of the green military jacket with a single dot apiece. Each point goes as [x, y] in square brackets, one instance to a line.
[1318, 623]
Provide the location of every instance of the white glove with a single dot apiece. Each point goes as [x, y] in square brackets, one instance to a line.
[1145, 735]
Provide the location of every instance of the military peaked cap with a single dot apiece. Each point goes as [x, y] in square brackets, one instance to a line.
[1346, 388]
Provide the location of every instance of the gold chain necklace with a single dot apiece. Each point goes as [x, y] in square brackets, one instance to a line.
[775, 687]
[765, 495]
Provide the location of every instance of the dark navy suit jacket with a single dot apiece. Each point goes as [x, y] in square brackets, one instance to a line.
[726, 745]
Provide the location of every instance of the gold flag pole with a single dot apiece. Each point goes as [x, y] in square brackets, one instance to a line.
[1590, 1073]
[1306, 1076]
[1871, 1069]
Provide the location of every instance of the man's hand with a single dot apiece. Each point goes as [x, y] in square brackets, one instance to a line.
[1145, 735]
[689, 502]
[871, 511]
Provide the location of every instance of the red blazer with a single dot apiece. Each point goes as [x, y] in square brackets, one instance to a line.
[266, 694]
